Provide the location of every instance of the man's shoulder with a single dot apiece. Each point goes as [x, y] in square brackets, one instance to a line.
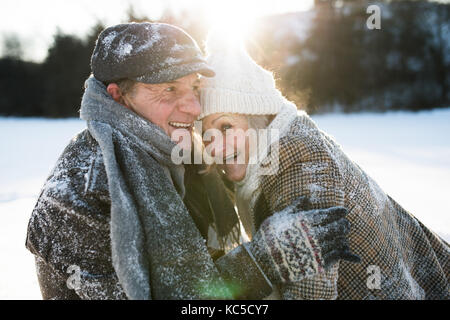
[73, 209]
[82, 148]
[79, 173]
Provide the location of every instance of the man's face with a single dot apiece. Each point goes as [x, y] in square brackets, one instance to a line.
[171, 105]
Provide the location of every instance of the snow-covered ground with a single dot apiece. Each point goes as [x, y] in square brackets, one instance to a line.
[408, 154]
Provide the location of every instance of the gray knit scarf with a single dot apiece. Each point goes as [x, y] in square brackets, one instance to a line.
[157, 251]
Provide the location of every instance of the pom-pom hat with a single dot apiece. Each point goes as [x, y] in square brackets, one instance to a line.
[240, 85]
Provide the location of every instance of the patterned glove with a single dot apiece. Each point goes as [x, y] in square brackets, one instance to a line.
[293, 244]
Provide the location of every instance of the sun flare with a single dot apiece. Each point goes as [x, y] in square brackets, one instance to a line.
[233, 19]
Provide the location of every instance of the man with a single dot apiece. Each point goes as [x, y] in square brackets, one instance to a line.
[110, 222]
[149, 70]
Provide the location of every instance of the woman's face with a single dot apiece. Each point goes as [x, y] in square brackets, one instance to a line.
[233, 148]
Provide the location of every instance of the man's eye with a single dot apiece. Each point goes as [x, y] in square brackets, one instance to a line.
[170, 89]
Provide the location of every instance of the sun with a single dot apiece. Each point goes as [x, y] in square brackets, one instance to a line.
[238, 18]
[233, 18]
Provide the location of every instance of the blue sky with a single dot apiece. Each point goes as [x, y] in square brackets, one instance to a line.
[35, 22]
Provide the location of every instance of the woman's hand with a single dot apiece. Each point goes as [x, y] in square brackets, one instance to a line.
[293, 244]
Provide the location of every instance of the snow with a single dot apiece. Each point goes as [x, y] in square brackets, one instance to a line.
[29, 149]
[155, 37]
[407, 154]
[315, 190]
[125, 50]
[172, 61]
[109, 39]
[107, 43]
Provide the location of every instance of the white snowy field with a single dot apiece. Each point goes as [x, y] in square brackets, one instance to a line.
[408, 154]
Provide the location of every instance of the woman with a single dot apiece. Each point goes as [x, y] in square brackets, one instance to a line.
[400, 257]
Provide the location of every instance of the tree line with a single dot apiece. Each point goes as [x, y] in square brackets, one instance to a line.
[344, 66]
[338, 64]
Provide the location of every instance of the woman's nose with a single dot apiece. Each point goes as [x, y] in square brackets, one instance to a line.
[216, 146]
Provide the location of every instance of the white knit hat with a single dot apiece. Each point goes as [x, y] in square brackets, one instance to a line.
[240, 85]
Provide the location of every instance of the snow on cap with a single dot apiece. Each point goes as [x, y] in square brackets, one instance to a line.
[146, 52]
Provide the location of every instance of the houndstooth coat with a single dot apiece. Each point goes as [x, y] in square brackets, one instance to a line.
[401, 258]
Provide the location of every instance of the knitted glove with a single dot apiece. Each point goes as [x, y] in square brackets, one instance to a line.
[293, 244]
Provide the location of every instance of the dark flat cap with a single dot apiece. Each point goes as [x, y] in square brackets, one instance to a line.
[146, 52]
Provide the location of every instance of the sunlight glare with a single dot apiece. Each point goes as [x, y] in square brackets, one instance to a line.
[232, 19]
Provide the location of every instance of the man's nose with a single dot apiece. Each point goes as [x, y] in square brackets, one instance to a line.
[190, 104]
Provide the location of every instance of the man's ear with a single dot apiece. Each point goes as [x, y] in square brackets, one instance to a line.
[115, 92]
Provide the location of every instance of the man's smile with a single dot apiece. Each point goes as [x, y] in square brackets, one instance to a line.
[181, 125]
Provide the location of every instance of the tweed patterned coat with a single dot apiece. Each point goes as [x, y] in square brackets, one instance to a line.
[401, 258]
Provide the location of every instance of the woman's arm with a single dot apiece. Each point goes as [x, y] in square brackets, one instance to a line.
[306, 168]
[290, 246]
